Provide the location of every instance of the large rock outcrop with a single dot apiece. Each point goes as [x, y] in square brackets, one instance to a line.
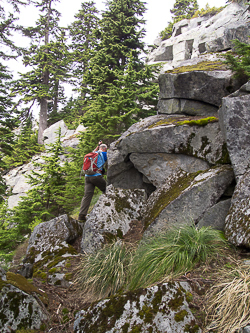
[158, 309]
[160, 146]
[191, 38]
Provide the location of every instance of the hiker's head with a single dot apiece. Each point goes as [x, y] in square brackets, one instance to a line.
[103, 147]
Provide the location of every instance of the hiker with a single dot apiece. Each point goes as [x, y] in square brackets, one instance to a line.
[91, 181]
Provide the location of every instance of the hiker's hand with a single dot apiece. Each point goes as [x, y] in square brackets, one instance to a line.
[100, 142]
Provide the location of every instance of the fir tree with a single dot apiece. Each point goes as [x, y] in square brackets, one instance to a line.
[83, 43]
[184, 9]
[120, 84]
[24, 147]
[239, 62]
[39, 204]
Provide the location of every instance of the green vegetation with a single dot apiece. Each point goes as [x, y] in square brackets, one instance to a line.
[24, 146]
[117, 267]
[201, 66]
[104, 272]
[198, 122]
[182, 9]
[207, 11]
[239, 61]
[174, 253]
[186, 10]
[229, 307]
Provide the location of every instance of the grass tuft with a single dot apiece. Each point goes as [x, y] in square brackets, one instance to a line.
[229, 301]
[104, 273]
[174, 253]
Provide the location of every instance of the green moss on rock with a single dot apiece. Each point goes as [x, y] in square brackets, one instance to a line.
[166, 197]
[198, 122]
[201, 66]
[179, 316]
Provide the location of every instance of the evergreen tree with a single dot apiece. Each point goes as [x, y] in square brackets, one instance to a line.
[184, 9]
[119, 83]
[24, 147]
[83, 42]
[39, 204]
[239, 62]
[48, 57]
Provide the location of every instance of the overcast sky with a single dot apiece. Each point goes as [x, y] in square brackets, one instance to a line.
[157, 16]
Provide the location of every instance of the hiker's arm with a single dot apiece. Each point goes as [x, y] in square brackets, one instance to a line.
[97, 148]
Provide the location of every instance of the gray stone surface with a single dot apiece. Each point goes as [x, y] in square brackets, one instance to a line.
[237, 226]
[204, 86]
[13, 200]
[50, 135]
[49, 247]
[111, 216]
[133, 309]
[215, 216]
[69, 138]
[162, 134]
[160, 166]
[186, 106]
[51, 235]
[234, 116]
[186, 199]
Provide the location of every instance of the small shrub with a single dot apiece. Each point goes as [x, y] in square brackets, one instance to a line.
[105, 272]
[229, 301]
[208, 11]
[174, 253]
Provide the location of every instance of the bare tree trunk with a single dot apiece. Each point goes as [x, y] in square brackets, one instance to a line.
[42, 120]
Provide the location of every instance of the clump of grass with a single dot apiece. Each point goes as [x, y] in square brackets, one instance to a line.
[229, 301]
[174, 253]
[104, 273]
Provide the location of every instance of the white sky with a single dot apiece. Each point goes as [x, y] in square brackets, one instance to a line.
[157, 16]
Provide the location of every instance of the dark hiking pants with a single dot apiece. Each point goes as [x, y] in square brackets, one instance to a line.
[90, 184]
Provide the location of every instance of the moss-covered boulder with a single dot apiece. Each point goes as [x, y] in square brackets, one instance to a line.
[186, 199]
[237, 225]
[22, 306]
[158, 309]
[50, 250]
[112, 217]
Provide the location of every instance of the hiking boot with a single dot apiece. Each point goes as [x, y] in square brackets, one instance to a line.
[82, 218]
